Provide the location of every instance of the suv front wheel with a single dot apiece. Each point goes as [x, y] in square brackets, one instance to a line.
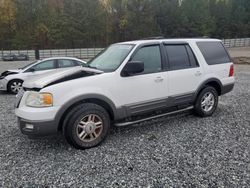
[206, 102]
[86, 126]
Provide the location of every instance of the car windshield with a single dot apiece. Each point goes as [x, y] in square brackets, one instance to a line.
[28, 65]
[111, 58]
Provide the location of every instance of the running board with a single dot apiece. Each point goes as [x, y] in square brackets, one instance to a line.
[153, 117]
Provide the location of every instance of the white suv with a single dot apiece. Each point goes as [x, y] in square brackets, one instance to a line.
[127, 83]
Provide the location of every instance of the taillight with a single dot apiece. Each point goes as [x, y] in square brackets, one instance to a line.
[231, 72]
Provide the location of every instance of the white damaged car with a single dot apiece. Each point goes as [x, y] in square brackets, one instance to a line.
[12, 80]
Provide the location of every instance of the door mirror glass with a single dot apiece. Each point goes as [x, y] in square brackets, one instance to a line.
[132, 68]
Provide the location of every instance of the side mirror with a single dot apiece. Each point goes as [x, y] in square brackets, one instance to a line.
[132, 68]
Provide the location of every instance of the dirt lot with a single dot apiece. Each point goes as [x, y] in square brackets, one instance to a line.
[177, 151]
[240, 52]
[240, 55]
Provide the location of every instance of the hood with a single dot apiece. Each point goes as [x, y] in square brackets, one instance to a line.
[15, 70]
[9, 72]
[58, 76]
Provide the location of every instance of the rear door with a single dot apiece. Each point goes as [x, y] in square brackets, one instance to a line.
[185, 74]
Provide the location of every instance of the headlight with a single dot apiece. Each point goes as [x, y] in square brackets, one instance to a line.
[39, 100]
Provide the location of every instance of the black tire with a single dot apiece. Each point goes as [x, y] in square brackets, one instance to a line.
[201, 110]
[13, 86]
[77, 115]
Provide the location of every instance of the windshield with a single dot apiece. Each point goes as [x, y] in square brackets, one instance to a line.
[111, 58]
[28, 65]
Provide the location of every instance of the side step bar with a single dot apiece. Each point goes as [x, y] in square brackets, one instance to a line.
[153, 117]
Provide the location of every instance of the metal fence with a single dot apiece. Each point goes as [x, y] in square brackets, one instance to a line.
[241, 42]
[83, 53]
[88, 53]
[30, 53]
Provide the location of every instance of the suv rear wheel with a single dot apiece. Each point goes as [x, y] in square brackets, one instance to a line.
[206, 102]
[86, 126]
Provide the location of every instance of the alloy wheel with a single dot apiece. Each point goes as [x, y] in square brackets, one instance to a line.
[208, 102]
[89, 128]
[15, 86]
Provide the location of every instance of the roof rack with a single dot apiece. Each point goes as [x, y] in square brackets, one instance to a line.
[154, 38]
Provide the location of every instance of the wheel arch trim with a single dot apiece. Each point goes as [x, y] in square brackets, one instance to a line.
[80, 99]
[203, 84]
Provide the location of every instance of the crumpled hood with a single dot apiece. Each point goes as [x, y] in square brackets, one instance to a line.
[15, 70]
[57, 76]
[9, 72]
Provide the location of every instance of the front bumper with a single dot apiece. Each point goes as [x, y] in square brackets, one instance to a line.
[37, 128]
[35, 121]
[3, 84]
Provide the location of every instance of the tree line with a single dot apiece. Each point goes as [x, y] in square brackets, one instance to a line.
[29, 24]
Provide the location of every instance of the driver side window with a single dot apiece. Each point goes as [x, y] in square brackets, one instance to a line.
[46, 65]
[151, 57]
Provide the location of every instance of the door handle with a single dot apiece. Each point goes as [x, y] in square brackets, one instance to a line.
[159, 79]
[198, 73]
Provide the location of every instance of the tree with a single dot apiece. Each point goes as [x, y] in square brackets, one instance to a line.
[7, 22]
[168, 17]
[89, 23]
[79, 24]
[196, 18]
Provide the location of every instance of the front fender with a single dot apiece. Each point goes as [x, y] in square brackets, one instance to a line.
[64, 109]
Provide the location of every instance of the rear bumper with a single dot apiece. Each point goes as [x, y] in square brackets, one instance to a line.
[37, 128]
[3, 85]
[227, 88]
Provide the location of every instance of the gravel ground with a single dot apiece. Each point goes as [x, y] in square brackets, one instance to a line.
[176, 151]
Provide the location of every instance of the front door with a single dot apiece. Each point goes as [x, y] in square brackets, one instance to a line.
[148, 90]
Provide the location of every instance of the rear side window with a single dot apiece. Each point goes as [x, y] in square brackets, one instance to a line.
[214, 52]
[192, 58]
[180, 56]
[64, 63]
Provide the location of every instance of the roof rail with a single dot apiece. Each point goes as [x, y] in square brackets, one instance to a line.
[153, 38]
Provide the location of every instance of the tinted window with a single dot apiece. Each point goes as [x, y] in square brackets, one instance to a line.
[192, 58]
[63, 63]
[214, 52]
[151, 57]
[46, 65]
[178, 57]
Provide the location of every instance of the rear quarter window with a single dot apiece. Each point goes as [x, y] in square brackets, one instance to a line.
[214, 52]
